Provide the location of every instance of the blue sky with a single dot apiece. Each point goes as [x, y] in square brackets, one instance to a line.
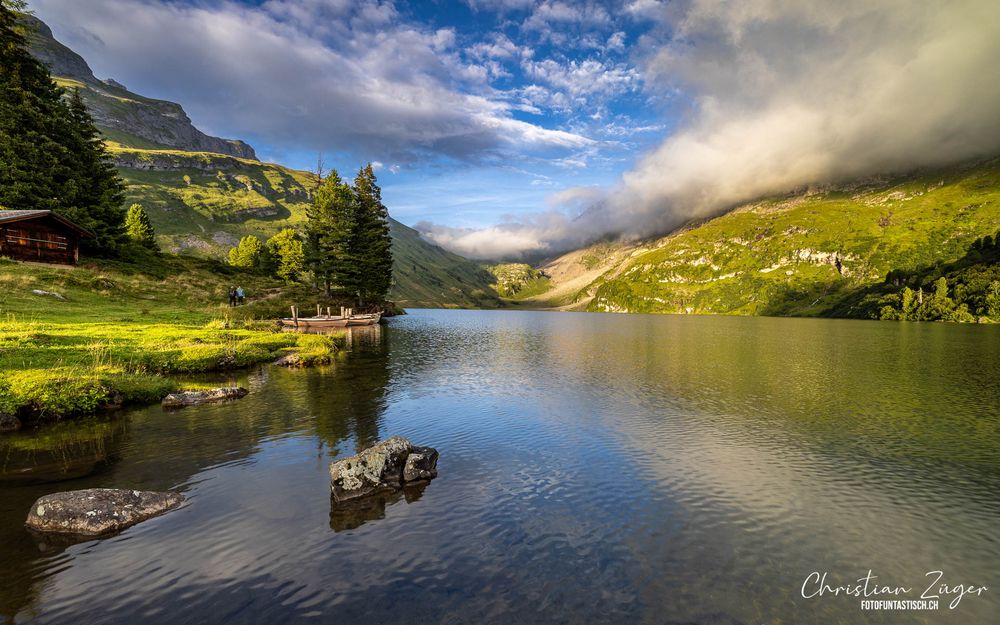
[504, 103]
[506, 127]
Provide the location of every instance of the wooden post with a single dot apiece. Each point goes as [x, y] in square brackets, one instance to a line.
[327, 311]
[319, 311]
[295, 316]
[342, 312]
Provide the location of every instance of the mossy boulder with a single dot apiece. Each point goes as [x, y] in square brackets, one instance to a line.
[97, 511]
[193, 398]
[382, 468]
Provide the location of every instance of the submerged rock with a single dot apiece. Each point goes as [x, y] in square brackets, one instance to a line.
[192, 398]
[384, 467]
[97, 511]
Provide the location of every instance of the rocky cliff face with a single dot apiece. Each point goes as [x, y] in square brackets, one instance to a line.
[122, 115]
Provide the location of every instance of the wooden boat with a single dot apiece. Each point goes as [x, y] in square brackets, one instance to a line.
[364, 320]
[346, 318]
[315, 322]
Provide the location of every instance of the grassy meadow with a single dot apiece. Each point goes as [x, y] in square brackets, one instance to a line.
[107, 334]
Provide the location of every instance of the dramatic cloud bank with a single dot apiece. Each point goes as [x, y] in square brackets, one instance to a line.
[313, 74]
[785, 93]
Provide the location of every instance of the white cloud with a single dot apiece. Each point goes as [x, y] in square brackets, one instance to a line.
[616, 42]
[789, 93]
[583, 78]
[319, 74]
[552, 13]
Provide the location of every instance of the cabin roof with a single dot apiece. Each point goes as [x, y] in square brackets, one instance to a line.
[7, 216]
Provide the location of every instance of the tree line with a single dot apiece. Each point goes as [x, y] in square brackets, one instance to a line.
[966, 290]
[344, 248]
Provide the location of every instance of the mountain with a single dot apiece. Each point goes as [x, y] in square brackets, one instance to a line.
[121, 115]
[812, 252]
[203, 193]
[202, 203]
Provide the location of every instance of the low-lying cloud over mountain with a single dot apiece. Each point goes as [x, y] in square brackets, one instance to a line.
[783, 94]
[679, 109]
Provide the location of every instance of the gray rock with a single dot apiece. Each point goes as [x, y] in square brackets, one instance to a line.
[291, 359]
[48, 294]
[381, 468]
[97, 511]
[421, 464]
[9, 423]
[192, 398]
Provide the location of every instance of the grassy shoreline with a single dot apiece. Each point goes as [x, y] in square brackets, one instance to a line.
[74, 341]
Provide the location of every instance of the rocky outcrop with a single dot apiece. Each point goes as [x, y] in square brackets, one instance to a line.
[145, 160]
[112, 106]
[383, 468]
[97, 511]
[193, 398]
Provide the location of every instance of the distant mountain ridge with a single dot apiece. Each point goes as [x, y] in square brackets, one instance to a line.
[124, 116]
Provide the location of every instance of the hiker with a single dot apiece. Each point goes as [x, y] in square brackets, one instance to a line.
[240, 295]
[232, 296]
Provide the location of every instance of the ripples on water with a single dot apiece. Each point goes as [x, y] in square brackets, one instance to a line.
[594, 469]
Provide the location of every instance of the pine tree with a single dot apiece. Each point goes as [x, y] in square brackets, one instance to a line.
[34, 121]
[328, 231]
[247, 253]
[51, 156]
[371, 244]
[138, 227]
[286, 252]
[100, 193]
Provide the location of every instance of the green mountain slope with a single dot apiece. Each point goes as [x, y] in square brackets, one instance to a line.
[803, 254]
[202, 203]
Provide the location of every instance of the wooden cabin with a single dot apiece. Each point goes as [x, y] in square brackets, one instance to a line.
[40, 236]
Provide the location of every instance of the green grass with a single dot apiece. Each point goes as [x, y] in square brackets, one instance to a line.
[517, 281]
[777, 256]
[118, 334]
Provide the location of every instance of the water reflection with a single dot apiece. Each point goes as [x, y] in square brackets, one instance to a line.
[595, 468]
[352, 514]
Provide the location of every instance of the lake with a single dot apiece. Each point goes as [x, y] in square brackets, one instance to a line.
[594, 469]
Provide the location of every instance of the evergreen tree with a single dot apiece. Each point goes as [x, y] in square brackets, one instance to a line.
[287, 255]
[138, 227]
[100, 193]
[371, 245]
[328, 232]
[51, 156]
[247, 253]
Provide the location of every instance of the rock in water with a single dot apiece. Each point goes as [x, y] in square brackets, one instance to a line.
[421, 464]
[97, 511]
[191, 398]
[384, 467]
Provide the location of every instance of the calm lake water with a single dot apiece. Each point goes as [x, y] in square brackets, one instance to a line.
[594, 469]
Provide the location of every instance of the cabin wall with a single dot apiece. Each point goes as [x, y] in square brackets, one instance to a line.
[39, 240]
